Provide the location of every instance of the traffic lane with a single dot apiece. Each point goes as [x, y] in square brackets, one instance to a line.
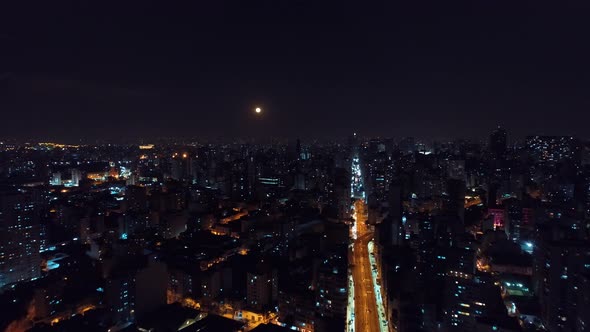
[366, 311]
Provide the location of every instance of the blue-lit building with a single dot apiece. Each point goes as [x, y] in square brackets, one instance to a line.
[562, 265]
[332, 286]
[561, 260]
[120, 297]
[459, 289]
[131, 292]
[19, 237]
[262, 287]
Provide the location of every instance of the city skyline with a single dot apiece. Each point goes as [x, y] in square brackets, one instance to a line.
[512, 140]
[364, 236]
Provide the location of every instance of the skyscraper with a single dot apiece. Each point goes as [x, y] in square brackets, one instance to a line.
[498, 141]
[454, 204]
[332, 289]
[560, 267]
[19, 237]
[262, 287]
[391, 231]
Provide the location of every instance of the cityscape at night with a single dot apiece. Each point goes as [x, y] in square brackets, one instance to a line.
[295, 165]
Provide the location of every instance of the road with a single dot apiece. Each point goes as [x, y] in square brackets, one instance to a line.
[366, 316]
[365, 301]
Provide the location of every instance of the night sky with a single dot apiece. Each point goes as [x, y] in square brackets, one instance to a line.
[432, 69]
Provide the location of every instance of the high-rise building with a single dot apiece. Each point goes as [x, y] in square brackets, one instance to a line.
[391, 230]
[19, 237]
[498, 142]
[239, 187]
[456, 169]
[459, 289]
[48, 297]
[378, 163]
[262, 287]
[560, 267]
[407, 145]
[133, 292]
[298, 306]
[55, 179]
[120, 297]
[332, 290]
[583, 302]
[340, 195]
[518, 223]
[76, 177]
[136, 198]
[455, 199]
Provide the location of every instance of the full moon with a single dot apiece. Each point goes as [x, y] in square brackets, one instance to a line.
[258, 110]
